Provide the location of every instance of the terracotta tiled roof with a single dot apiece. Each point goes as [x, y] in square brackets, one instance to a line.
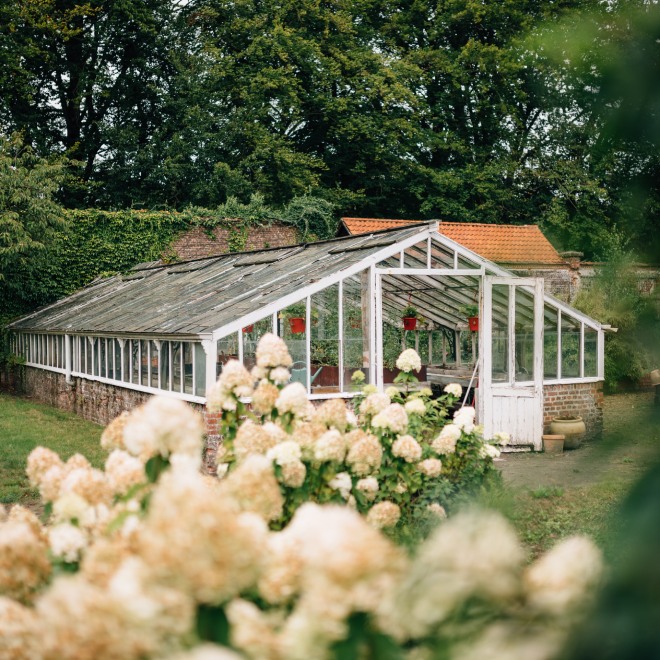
[364, 225]
[503, 244]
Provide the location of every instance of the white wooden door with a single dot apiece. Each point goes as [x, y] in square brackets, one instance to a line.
[511, 350]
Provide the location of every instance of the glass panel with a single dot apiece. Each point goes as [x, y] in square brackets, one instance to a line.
[117, 370]
[187, 367]
[176, 366]
[111, 357]
[415, 256]
[549, 342]
[469, 343]
[524, 330]
[127, 360]
[165, 362]
[355, 331]
[135, 360]
[251, 336]
[463, 262]
[393, 344]
[570, 347]
[227, 350]
[293, 331]
[144, 362]
[200, 369]
[102, 356]
[153, 362]
[441, 257]
[590, 352]
[62, 352]
[500, 338]
[324, 346]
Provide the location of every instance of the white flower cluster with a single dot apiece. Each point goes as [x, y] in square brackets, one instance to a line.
[454, 389]
[409, 361]
[235, 382]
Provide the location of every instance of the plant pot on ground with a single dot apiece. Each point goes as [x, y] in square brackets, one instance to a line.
[572, 427]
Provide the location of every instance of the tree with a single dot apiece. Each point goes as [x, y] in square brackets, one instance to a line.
[29, 216]
[86, 79]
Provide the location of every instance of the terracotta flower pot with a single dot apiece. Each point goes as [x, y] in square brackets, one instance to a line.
[297, 325]
[553, 444]
[409, 322]
[571, 427]
[473, 322]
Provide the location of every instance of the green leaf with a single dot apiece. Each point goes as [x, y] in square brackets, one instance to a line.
[212, 624]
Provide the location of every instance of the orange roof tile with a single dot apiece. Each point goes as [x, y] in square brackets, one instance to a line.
[365, 225]
[503, 244]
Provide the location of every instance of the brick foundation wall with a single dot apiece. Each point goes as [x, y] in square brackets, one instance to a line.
[98, 402]
[196, 243]
[583, 399]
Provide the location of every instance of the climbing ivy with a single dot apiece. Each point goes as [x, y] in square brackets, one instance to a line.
[97, 243]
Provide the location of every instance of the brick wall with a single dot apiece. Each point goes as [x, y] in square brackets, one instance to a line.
[583, 399]
[98, 402]
[197, 242]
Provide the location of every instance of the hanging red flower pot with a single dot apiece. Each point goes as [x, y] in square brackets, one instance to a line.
[409, 322]
[297, 325]
[473, 322]
[248, 328]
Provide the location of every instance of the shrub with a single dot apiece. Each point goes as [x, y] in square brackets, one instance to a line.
[149, 558]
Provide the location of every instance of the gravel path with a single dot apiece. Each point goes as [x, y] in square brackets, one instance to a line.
[630, 443]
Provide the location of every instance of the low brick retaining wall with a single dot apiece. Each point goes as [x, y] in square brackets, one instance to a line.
[575, 399]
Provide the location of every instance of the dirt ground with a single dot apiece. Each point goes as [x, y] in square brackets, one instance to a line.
[630, 443]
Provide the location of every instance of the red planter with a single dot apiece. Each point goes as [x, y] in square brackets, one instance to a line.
[409, 322]
[248, 328]
[297, 325]
[473, 322]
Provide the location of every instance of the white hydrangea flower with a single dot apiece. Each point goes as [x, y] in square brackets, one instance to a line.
[431, 467]
[384, 514]
[374, 403]
[415, 407]
[487, 450]
[392, 391]
[454, 389]
[67, 542]
[285, 452]
[343, 483]
[409, 360]
[272, 352]
[563, 577]
[437, 510]
[351, 419]
[70, 506]
[368, 486]
[293, 399]
[464, 419]
[280, 375]
[502, 438]
[406, 447]
[330, 447]
[445, 443]
[393, 418]
[235, 378]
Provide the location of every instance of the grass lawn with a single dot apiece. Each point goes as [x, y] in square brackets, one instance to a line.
[580, 492]
[25, 425]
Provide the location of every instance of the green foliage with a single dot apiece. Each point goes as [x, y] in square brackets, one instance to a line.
[29, 216]
[312, 216]
[614, 298]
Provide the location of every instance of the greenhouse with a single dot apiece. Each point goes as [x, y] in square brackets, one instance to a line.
[340, 307]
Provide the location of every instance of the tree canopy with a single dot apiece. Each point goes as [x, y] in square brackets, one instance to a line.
[464, 110]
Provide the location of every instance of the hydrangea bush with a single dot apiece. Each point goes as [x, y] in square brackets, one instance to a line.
[395, 452]
[151, 558]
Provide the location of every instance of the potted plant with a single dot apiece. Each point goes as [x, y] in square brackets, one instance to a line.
[248, 328]
[296, 316]
[410, 316]
[471, 312]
